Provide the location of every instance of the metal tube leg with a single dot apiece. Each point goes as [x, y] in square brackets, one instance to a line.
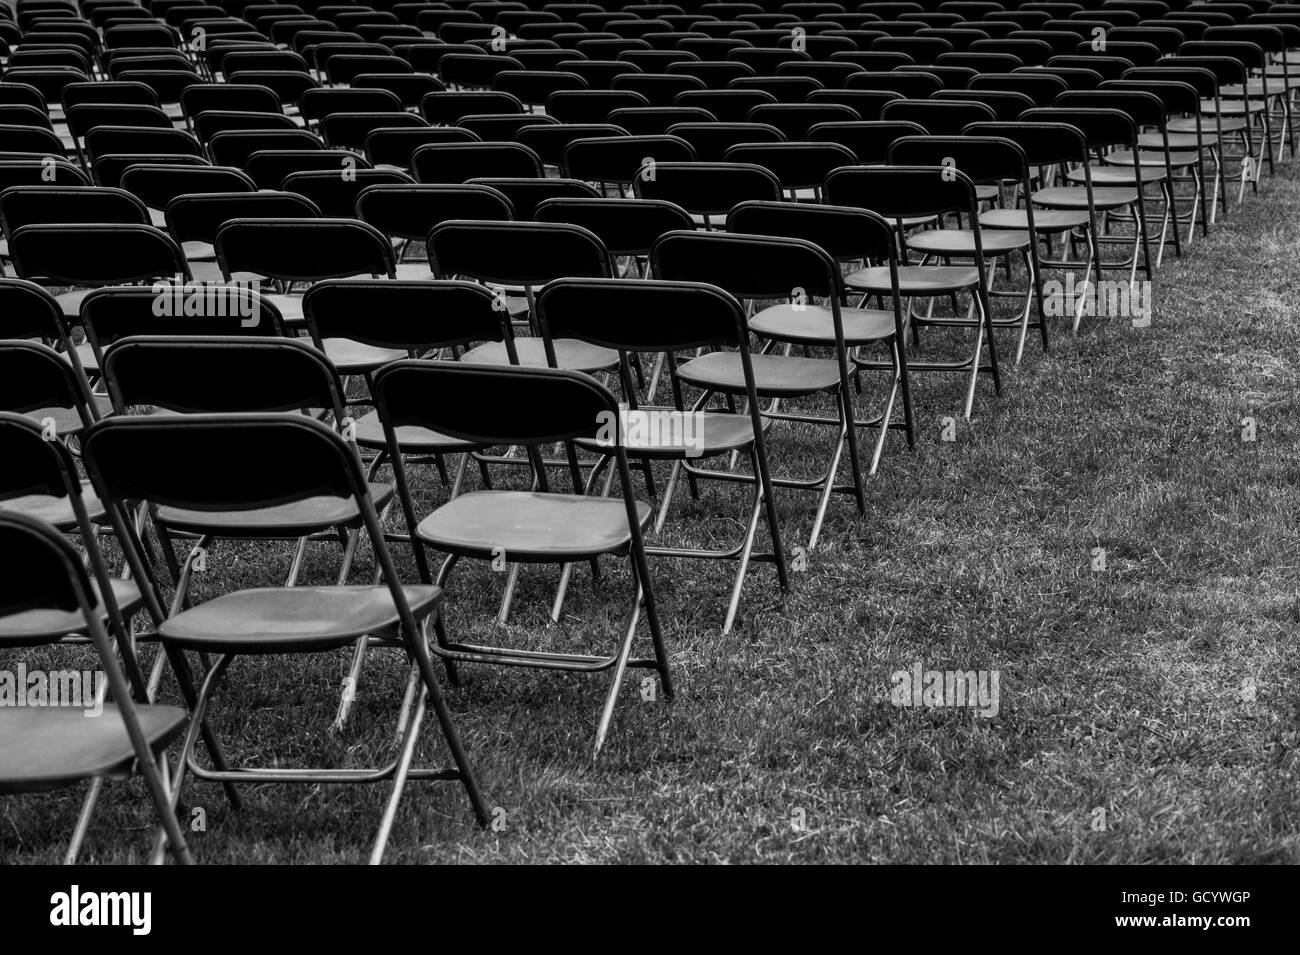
[620, 668]
[400, 775]
[83, 820]
[827, 490]
[747, 548]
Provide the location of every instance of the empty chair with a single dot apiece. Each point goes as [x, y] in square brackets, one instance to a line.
[460, 162]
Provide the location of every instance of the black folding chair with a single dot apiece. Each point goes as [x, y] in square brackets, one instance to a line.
[529, 408]
[47, 592]
[916, 194]
[151, 459]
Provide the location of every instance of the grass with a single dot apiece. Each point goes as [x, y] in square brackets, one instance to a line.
[1121, 690]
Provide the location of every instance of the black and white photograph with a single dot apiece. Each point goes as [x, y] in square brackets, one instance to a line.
[708, 432]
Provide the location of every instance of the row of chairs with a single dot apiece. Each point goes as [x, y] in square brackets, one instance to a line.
[731, 277]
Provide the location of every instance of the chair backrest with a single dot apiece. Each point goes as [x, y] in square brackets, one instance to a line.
[34, 377]
[93, 254]
[191, 374]
[845, 233]
[156, 458]
[796, 165]
[459, 162]
[1102, 128]
[198, 217]
[45, 205]
[304, 250]
[234, 147]
[710, 140]
[901, 192]
[747, 266]
[244, 97]
[29, 311]
[625, 226]
[408, 212]
[515, 253]
[415, 315]
[1043, 143]
[447, 108]
[212, 121]
[639, 315]
[129, 140]
[526, 194]
[938, 117]
[172, 310]
[156, 184]
[708, 188]
[492, 404]
[621, 159]
[335, 195]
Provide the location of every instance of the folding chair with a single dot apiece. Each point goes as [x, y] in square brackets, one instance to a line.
[446, 109]
[764, 268]
[917, 193]
[150, 459]
[986, 160]
[665, 318]
[727, 105]
[1118, 166]
[522, 256]
[711, 140]
[527, 407]
[46, 592]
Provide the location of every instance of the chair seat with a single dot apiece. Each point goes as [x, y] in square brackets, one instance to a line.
[293, 619]
[774, 375]
[414, 272]
[1153, 171]
[813, 324]
[281, 521]
[1233, 107]
[1045, 220]
[198, 250]
[86, 355]
[986, 191]
[570, 354]
[714, 433]
[923, 280]
[70, 302]
[411, 438]
[530, 526]
[56, 510]
[33, 627]
[157, 218]
[1155, 159]
[46, 747]
[66, 420]
[1179, 141]
[356, 358]
[962, 242]
[1229, 124]
[290, 307]
[1068, 197]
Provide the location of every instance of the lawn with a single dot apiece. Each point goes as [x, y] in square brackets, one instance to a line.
[1148, 710]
